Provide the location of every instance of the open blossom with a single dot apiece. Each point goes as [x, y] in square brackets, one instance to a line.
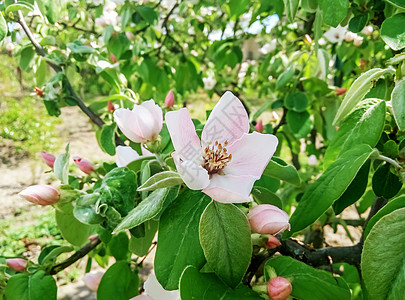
[92, 279]
[17, 264]
[228, 160]
[268, 219]
[279, 288]
[126, 155]
[142, 124]
[41, 194]
[336, 34]
[48, 158]
[84, 165]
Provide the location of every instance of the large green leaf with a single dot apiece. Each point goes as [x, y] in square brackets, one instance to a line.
[61, 166]
[394, 204]
[228, 251]
[398, 3]
[383, 258]
[161, 180]
[141, 245]
[277, 168]
[196, 285]
[392, 31]
[363, 126]
[358, 90]
[106, 138]
[335, 12]
[178, 240]
[3, 27]
[398, 104]
[329, 187]
[308, 283]
[262, 195]
[36, 286]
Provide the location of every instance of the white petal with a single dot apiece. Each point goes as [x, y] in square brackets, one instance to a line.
[183, 135]
[123, 118]
[156, 112]
[230, 188]
[125, 155]
[193, 175]
[227, 121]
[154, 289]
[251, 154]
[144, 122]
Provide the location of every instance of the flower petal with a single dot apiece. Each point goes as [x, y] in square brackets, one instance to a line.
[227, 121]
[184, 138]
[125, 155]
[123, 118]
[156, 112]
[155, 290]
[251, 154]
[193, 175]
[230, 188]
[145, 122]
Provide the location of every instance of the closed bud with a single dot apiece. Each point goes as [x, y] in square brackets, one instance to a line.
[312, 160]
[17, 264]
[340, 91]
[113, 58]
[308, 39]
[358, 40]
[259, 126]
[40, 92]
[84, 165]
[279, 288]
[48, 158]
[41, 194]
[268, 219]
[110, 106]
[169, 100]
[92, 279]
[349, 36]
[272, 242]
[368, 30]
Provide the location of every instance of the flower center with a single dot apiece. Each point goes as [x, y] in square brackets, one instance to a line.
[216, 157]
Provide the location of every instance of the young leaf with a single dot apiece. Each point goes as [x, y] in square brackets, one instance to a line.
[61, 166]
[328, 188]
[308, 283]
[358, 90]
[178, 237]
[196, 285]
[285, 77]
[279, 169]
[36, 286]
[383, 266]
[141, 245]
[106, 138]
[398, 104]
[263, 196]
[385, 183]
[392, 31]
[161, 180]
[3, 27]
[334, 13]
[228, 251]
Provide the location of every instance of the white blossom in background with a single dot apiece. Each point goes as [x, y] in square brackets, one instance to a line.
[336, 34]
[97, 2]
[209, 82]
[358, 40]
[269, 47]
[312, 161]
[120, 2]
[368, 30]
[350, 36]
[109, 16]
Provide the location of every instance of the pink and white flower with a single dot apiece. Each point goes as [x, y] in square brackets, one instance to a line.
[126, 155]
[228, 159]
[92, 279]
[41, 194]
[155, 291]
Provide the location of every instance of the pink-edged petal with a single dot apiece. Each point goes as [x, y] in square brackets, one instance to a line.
[251, 154]
[230, 188]
[144, 121]
[227, 121]
[125, 155]
[182, 132]
[123, 118]
[193, 175]
[156, 112]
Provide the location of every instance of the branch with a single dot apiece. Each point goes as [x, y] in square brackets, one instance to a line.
[65, 25]
[75, 257]
[282, 121]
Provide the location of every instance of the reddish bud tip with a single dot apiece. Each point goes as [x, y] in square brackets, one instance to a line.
[259, 126]
[84, 165]
[169, 100]
[279, 288]
[110, 106]
[113, 58]
[272, 242]
[17, 264]
[308, 39]
[340, 91]
[40, 92]
[48, 158]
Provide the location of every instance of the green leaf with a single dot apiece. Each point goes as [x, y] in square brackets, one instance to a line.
[145, 210]
[328, 188]
[398, 3]
[26, 56]
[383, 257]
[53, 254]
[20, 5]
[37, 286]
[334, 13]
[147, 13]
[308, 283]
[118, 246]
[161, 180]
[106, 138]
[78, 47]
[72, 230]
[358, 22]
[228, 251]
[118, 283]
[262, 195]
[61, 166]
[299, 122]
[392, 205]
[398, 104]
[277, 168]
[178, 240]
[392, 31]
[363, 126]
[141, 245]
[297, 102]
[195, 285]
[285, 77]
[137, 163]
[291, 7]
[358, 90]
[385, 183]
[3, 27]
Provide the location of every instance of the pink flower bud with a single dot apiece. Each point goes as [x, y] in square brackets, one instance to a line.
[92, 279]
[272, 242]
[368, 30]
[84, 165]
[358, 40]
[350, 36]
[268, 219]
[48, 158]
[113, 58]
[308, 39]
[110, 106]
[142, 124]
[41, 194]
[169, 100]
[279, 288]
[340, 91]
[259, 126]
[17, 264]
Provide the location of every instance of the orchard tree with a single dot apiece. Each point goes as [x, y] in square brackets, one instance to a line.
[310, 121]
